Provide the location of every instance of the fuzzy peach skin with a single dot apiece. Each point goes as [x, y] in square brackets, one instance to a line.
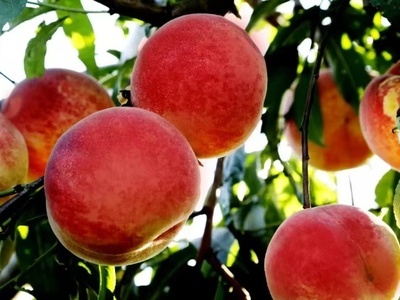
[378, 110]
[333, 252]
[344, 144]
[205, 75]
[43, 108]
[119, 186]
[13, 156]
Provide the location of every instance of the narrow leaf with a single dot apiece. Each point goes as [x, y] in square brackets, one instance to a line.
[315, 128]
[107, 282]
[9, 10]
[282, 67]
[27, 14]
[396, 204]
[262, 11]
[80, 31]
[348, 70]
[36, 48]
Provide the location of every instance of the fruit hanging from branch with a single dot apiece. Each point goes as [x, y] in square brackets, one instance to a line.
[207, 77]
[13, 155]
[119, 186]
[43, 108]
[378, 116]
[333, 252]
[343, 146]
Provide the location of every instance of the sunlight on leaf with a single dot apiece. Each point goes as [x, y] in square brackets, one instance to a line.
[36, 49]
[396, 205]
[23, 231]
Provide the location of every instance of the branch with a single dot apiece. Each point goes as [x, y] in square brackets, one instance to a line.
[157, 15]
[8, 78]
[206, 252]
[309, 102]
[227, 275]
[208, 210]
[16, 205]
[66, 9]
[37, 261]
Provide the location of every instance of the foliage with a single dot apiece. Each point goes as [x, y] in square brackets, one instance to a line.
[258, 190]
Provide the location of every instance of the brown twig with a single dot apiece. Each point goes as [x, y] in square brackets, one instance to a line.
[208, 210]
[157, 15]
[228, 276]
[309, 102]
[206, 252]
[8, 78]
[16, 205]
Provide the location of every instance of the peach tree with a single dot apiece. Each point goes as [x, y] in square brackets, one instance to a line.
[251, 190]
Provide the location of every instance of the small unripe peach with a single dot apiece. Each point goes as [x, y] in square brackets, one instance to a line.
[119, 185]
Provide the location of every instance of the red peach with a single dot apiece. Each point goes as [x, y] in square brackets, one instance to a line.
[43, 108]
[13, 155]
[333, 252]
[119, 186]
[206, 76]
[378, 110]
[344, 145]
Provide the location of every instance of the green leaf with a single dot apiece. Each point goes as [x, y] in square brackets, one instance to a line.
[38, 264]
[390, 9]
[282, 71]
[27, 14]
[315, 128]
[36, 49]
[252, 165]
[9, 10]
[80, 32]
[282, 59]
[233, 173]
[396, 204]
[107, 282]
[385, 188]
[262, 11]
[348, 69]
[292, 35]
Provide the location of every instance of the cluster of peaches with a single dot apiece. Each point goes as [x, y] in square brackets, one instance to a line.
[120, 182]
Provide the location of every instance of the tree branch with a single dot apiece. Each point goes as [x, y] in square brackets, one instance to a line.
[157, 15]
[16, 205]
[309, 101]
[208, 210]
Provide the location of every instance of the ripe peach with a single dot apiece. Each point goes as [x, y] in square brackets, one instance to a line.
[206, 76]
[13, 155]
[333, 252]
[119, 185]
[43, 108]
[344, 145]
[378, 116]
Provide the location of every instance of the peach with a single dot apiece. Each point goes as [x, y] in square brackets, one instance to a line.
[378, 110]
[344, 144]
[206, 76]
[119, 185]
[13, 155]
[335, 252]
[43, 108]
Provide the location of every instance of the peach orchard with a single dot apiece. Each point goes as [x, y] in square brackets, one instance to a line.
[105, 177]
